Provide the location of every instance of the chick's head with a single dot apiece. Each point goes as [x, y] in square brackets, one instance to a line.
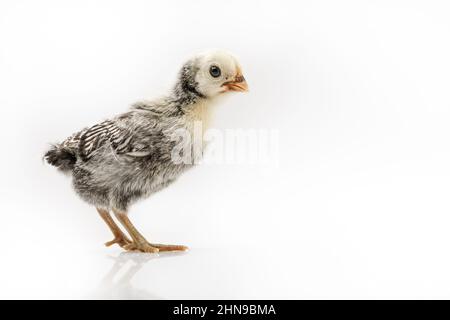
[215, 72]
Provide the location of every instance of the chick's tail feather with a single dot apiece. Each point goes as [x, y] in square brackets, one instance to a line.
[62, 158]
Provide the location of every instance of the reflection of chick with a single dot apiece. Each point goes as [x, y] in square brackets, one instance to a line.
[129, 157]
[117, 282]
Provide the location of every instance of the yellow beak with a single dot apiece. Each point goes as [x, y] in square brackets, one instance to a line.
[237, 84]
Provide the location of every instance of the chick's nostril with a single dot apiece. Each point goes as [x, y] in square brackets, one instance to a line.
[240, 78]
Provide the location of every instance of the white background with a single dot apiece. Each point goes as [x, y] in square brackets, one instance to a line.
[358, 206]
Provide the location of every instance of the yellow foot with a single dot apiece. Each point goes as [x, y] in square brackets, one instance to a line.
[141, 246]
[169, 247]
[153, 247]
[121, 241]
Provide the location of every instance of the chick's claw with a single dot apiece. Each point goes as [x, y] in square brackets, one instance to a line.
[121, 241]
[169, 247]
[153, 247]
[143, 247]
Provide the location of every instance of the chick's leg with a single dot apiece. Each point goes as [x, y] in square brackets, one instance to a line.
[139, 242]
[119, 237]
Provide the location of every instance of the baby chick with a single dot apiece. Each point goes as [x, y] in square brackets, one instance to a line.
[129, 157]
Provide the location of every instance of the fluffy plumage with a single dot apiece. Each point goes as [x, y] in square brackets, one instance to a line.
[128, 157]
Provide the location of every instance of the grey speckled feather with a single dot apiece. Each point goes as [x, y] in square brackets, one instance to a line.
[120, 160]
[123, 159]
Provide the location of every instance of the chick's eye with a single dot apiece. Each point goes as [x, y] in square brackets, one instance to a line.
[214, 71]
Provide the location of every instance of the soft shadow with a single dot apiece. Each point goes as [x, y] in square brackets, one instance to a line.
[117, 283]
